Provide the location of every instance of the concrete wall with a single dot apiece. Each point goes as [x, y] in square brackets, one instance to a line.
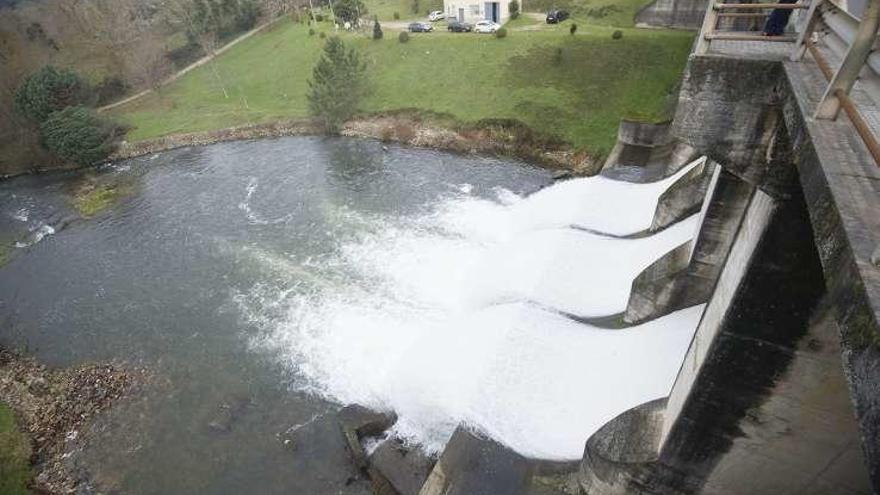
[679, 14]
[675, 282]
[753, 116]
[780, 389]
[643, 144]
[761, 404]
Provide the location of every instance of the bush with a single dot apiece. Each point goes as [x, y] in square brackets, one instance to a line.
[49, 90]
[78, 135]
[109, 89]
[338, 85]
[349, 10]
[403, 37]
[311, 32]
[319, 18]
[377, 29]
[396, 16]
[501, 33]
[322, 35]
[513, 8]
[573, 29]
[186, 54]
[616, 35]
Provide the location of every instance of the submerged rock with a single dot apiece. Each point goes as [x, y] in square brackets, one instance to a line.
[358, 422]
[405, 468]
[365, 422]
[320, 449]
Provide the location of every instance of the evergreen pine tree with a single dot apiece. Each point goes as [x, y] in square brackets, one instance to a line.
[338, 85]
[377, 29]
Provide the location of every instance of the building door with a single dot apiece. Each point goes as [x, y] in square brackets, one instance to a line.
[460, 15]
[491, 11]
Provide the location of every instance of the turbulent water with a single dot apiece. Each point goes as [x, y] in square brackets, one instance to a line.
[304, 273]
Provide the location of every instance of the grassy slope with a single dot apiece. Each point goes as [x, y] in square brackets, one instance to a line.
[469, 76]
[15, 450]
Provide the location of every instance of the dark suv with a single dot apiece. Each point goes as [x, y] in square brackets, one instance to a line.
[556, 16]
[459, 27]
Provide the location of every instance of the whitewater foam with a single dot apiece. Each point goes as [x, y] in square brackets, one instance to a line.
[454, 316]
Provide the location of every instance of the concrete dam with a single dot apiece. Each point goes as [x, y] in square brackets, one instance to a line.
[773, 154]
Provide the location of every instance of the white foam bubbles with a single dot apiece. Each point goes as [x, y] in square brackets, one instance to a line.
[454, 316]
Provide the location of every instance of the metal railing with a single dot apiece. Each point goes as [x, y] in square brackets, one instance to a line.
[718, 11]
[848, 41]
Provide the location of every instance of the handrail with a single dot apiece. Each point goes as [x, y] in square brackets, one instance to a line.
[848, 38]
[737, 6]
[848, 106]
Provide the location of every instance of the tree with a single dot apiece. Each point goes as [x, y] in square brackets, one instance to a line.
[49, 90]
[513, 7]
[78, 135]
[338, 85]
[377, 29]
[349, 10]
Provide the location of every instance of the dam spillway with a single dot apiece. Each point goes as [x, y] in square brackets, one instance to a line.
[463, 315]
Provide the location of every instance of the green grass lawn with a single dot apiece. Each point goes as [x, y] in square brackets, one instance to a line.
[573, 87]
[15, 451]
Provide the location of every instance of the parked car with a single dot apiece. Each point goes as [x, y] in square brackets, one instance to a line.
[436, 15]
[459, 27]
[557, 16]
[486, 27]
[420, 27]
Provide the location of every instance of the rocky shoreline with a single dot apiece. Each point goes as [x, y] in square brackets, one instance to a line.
[494, 137]
[55, 407]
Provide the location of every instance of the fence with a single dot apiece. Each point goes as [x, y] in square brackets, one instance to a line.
[846, 56]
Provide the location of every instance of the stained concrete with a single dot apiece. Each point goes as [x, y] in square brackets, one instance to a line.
[684, 197]
[648, 145]
[473, 464]
[686, 276]
[679, 14]
[621, 453]
[751, 113]
[780, 390]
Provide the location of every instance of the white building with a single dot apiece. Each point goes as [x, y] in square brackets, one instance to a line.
[472, 11]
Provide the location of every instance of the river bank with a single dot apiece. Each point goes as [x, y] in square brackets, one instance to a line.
[495, 137]
[492, 136]
[54, 409]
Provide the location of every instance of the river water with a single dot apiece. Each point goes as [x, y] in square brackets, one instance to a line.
[282, 278]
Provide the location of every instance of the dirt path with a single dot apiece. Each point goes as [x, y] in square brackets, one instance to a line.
[198, 63]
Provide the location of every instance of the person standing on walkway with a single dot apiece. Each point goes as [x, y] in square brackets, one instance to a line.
[777, 20]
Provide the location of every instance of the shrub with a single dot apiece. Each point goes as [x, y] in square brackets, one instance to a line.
[403, 37]
[501, 33]
[109, 89]
[319, 18]
[349, 10]
[513, 8]
[377, 29]
[78, 135]
[616, 35]
[322, 35]
[338, 85]
[396, 16]
[311, 32]
[573, 29]
[49, 90]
